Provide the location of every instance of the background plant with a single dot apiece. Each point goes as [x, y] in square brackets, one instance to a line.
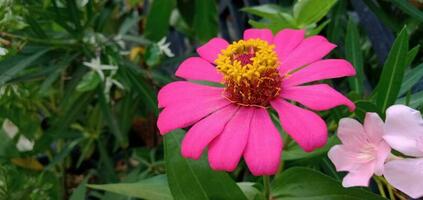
[93, 128]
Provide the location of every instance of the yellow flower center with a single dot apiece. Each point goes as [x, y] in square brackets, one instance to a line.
[250, 72]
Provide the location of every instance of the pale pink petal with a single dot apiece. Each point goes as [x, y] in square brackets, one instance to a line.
[320, 70]
[183, 114]
[317, 97]
[351, 133]
[204, 131]
[404, 130]
[359, 177]
[308, 51]
[286, 41]
[343, 158]
[196, 68]
[182, 91]
[264, 34]
[382, 153]
[373, 125]
[406, 175]
[226, 150]
[304, 126]
[263, 151]
[212, 49]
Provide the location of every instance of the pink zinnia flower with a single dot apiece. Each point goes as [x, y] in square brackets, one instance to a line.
[404, 132]
[363, 151]
[258, 72]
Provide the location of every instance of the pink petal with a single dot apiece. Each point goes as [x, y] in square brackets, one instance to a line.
[204, 131]
[382, 154]
[183, 114]
[308, 51]
[343, 158]
[212, 49]
[406, 175]
[196, 68]
[264, 34]
[320, 70]
[317, 97]
[351, 133]
[404, 130]
[181, 91]
[304, 126]
[359, 177]
[225, 151]
[373, 125]
[286, 41]
[263, 151]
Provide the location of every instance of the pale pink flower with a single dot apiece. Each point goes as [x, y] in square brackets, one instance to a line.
[363, 151]
[258, 72]
[404, 133]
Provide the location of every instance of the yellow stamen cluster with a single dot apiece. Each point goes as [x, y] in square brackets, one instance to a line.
[250, 72]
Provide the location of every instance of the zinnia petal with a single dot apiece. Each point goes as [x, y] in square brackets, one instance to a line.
[406, 175]
[186, 113]
[196, 68]
[182, 91]
[204, 131]
[317, 97]
[286, 41]
[226, 150]
[404, 130]
[320, 70]
[308, 51]
[263, 151]
[304, 126]
[212, 49]
[264, 34]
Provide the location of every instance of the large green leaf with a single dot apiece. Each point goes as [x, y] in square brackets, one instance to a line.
[393, 72]
[155, 188]
[308, 12]
[157, 22]
[205, 19]
[354, 54]
[306, 184]
[193, 179]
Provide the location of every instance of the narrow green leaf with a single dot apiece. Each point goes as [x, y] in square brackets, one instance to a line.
[20, 66]
[362, 107]
[415, 100]
[193, 179]
[145, 91]
[300, 183]
[89, 82]
[268, 11]
[157, 22]
[393, 72]
[80, 191]
[412, 54]
[155, 188]
[205, 19]
[354, 54]
[411, 77]
[410, 9]
[307, 12]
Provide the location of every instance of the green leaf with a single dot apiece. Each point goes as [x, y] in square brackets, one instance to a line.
[89, 82]
[300, 183]
[362, 107]
[205, 19]
[11, 71]
[393, 72]
[193, 179]
[269, 11]
[250, 191]
[411, 77]
[157, 22]
[152, 55]
[155, 188]
[296, 152]
[80, 191]
[144, 90]
[416, 100]
[354, 54]
[409, 9]
[412, 54]
[307, 12]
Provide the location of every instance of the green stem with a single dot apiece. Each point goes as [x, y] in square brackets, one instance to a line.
[266, 189]
[380, 186]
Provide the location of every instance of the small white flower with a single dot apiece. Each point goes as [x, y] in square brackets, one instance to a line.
[11, 130]
[3, 51]
[95, 65]
[164, 47]
[109, 83]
